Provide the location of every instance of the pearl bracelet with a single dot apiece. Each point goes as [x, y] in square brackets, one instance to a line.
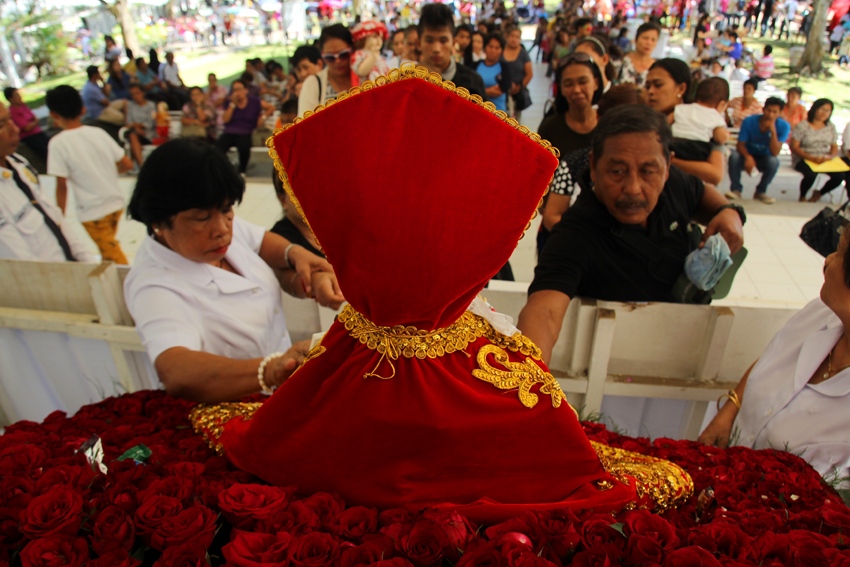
[262, 369]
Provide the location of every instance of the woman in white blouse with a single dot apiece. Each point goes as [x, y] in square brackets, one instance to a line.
[796, 396]
[205, 287]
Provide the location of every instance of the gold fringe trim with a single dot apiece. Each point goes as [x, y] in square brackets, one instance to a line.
[666, 484]
[209, 420]
[407, 71]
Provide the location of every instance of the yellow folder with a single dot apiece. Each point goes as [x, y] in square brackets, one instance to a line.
[835, 165]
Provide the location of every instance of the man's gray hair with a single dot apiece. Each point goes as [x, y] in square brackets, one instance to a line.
[631, 119]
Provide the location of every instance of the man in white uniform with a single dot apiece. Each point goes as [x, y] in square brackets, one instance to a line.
[31, 228]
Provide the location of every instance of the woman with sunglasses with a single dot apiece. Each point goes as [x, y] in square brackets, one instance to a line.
[335, 43]
[636, 63]
[667, 85]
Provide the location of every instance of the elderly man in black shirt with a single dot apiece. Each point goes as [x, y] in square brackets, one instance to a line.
[627, 239]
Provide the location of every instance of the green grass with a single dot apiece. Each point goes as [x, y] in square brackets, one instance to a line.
[194, 68]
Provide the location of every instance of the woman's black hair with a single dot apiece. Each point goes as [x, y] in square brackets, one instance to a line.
[183, 174]
[797, 90]
[753, 83]
[647, 27]
[816, 106]
[494, 35]
[195, 88]
[561, 104]
[337, 31]
[678, 70]
[467, 53]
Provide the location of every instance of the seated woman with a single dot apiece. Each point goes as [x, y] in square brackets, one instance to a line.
[205, 286]
[667, 85]
[815, 140]
[796, 395]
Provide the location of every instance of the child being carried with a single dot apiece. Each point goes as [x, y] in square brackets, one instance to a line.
[697, 125]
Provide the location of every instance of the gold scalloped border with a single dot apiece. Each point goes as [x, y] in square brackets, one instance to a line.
[407, 71]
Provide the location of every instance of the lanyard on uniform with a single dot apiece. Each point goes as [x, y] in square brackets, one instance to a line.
[54, 228]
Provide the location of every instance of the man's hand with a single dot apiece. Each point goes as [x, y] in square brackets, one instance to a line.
[749, 164]
[280, 369]
[728, 223]
[326, 290]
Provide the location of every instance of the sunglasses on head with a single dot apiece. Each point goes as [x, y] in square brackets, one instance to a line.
[575, 58]
[332, 57]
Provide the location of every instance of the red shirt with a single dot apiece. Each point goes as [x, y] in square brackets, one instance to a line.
[21, 116]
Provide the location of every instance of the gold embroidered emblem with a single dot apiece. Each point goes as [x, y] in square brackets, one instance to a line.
[29, 175]
[521, 376]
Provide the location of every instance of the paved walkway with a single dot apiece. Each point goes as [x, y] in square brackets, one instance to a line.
[780, 271]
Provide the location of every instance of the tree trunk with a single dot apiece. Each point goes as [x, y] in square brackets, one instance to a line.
[9, 63]
[813, 56]
[121, 10]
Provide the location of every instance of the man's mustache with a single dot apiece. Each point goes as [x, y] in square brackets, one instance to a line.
[631, 203]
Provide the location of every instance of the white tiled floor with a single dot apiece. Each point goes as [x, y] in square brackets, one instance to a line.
[780, 271]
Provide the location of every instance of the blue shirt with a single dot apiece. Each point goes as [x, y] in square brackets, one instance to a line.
[758, 142]
[92, 97]
[737, 49]
[120, 89]
[491, 76]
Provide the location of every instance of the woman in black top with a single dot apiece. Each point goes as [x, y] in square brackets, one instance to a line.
[292, 226]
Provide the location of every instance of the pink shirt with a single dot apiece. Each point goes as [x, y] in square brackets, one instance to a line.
[764, 67]
[21, 116]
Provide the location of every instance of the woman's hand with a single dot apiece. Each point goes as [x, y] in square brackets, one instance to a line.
[326, 290]
[305, 263]
[278, 370]
[718, 432]
[515, 89]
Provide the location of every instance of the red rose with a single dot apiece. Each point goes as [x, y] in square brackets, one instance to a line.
[326, 506]
[314, 549]
[300, 519]
[244, 504]
[836, 518]
[9, 533]
[55, 552]
[691, 557]
[114, 529]
[77, 477]
[645, 523]
[16, 492]
[457, 527]
[597, 530]
[425, 545]
[178, 487]
[483, 556]
[530, 559]
[526, 524]
[188, 470]
[152, 513]
[59, 511]
[807, 548]
[123, 495]
[190, 554]
[644, 549]
[837, 558]
[394, 562]
[115, 558]
[376, 548]
[254, 550]
[394, 516]
[355, 522]
[192, 524]
[600, 555]
[24, 458]
[722, 538]
[558, 528]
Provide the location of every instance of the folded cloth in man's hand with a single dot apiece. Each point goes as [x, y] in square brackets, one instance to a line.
[705, 266]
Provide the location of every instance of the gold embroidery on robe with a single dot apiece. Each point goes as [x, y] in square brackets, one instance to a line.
[521, 376]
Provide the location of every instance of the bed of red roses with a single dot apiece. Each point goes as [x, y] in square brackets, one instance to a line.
[183, 506]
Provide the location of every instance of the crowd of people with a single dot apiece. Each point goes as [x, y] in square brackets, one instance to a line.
[641, 142]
